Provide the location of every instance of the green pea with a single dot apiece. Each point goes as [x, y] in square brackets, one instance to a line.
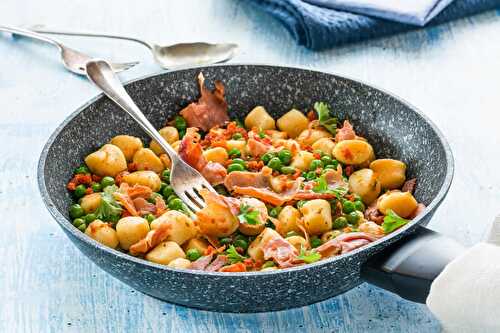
[291, 234]
[239, 161]
[354, 217]
[237, 136]
[288, 170]
[80, 191]
[167, 191]
[262, 135]
[274, 163]
[193, 254]
[165, 175]
[327, 160]
[162, 187]
[311, 175]
[301, 203]
[241, 243]
[240, 236]
[315, 164]
[78, 222]
[89, 218]
[107, 181]
[267, 157]
[234, 152]
[96, 187]
[225, 240]
[339, 223]
[348, 206]
[274, 212]
[330, 167]
[285, 156]
[82, 227]
[82, 169]
[180, 123]
[176, 204]
[315, 242]
[150, 218]
[268, 264]
[76, 211]
[235, 167]
[358, 205]
[171, 197]
[335, 164]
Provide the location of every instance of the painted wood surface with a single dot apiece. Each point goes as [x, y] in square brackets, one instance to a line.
[451, 72]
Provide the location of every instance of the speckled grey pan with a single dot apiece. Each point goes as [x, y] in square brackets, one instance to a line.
[395, 129]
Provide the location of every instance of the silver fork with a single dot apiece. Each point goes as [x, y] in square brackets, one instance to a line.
[73, 60]
[186, 181]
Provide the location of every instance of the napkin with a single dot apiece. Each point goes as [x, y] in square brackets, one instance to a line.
[417, 12]
[465, 297]
[319, 28]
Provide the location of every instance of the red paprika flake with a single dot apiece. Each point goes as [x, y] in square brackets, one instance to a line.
[89, 190]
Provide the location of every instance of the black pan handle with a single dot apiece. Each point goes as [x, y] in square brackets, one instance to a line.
[408, 267]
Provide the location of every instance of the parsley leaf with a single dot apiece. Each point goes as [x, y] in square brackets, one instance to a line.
[109, 209]
[322, 187]
[325, 120]
[248, 215]
[234, 256]
[308, 256]
[392, 222]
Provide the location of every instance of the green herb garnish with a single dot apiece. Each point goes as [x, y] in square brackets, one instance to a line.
[322, 187]
[308, 256]
[109, 209]
[233, 255]
[393, 221]
[325, 120]
[248, 215]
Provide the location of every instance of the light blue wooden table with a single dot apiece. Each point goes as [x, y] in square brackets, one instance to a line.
[451, 72]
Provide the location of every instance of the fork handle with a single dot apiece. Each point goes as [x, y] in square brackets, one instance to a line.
[30, 34]
[102, 75]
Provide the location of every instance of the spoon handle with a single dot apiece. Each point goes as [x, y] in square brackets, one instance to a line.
[102, 75]
[41, 29]
[30, 34]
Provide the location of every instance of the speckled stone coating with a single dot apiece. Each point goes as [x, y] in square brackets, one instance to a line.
[394, 128]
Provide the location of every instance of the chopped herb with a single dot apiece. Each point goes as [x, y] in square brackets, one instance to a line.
[233, 255]
[248, 215]
[109, 209]
[322, 187]
[325, 120]
[262, 135]
[392, 222]
[308, 256]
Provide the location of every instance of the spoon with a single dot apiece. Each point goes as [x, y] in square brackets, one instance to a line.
[169, 56]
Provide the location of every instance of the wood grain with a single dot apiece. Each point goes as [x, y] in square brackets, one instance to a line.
[450, 72]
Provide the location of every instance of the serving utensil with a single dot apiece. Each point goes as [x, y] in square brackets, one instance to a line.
[185, 180]
[167, 56]
[73, 60]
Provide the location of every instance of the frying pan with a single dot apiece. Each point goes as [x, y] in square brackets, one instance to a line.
[404, 262]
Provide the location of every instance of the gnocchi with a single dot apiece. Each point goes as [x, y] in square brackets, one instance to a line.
[170, 134]
[353, 152]
[107, 161]
[364, 183]
[317, 216]
[128, 145]
[145, 159]
[390, 173]
[130, 230]
[145, 178]
[165, 252]
[260, 119]
[402, 203]
[293, 123]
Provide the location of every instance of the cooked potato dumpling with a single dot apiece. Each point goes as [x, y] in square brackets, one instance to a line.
[330, 235]
[254, 229]
[170, 134]
[288, 220]
[309, 136]
[145, 159]
[196, 243]
[276, 135]
[90, 202]
[241, 145]
[217, 154]
[103, 233]
[298, 242]
[255, 249]
[107, 161]
[182, 227]
[317, 216]
[176, 145]
[180, 263]
[128, 145]
[165, 252]
[293, 123]
[130, 230]
[146, 178]
[402, 203]
[302, 160]
[371, 228]
[325, 145]
[364, 183]
[259, 118]
[216, 220]
[390, 173]
[167, 163]
[354, 152]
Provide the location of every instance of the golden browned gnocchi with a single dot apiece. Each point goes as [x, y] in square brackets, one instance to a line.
[302, 160]
[145, 159]
[170, 134]
[130, 230]
[390, 173]
[145, 178]
[103, 233]
[293, 123]
[402, 203]
[354, 152]
[260, 119]
[165, 252]
[217, 154]
[310, 136]
[364, 183]
[128, 145]
[325, 145]
[90, 202]
[182, 228]
[288, 218]
[107, 161]
[317, 216]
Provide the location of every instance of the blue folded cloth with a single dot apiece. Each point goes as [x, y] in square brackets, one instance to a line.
[320, 28]
[417, 12]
